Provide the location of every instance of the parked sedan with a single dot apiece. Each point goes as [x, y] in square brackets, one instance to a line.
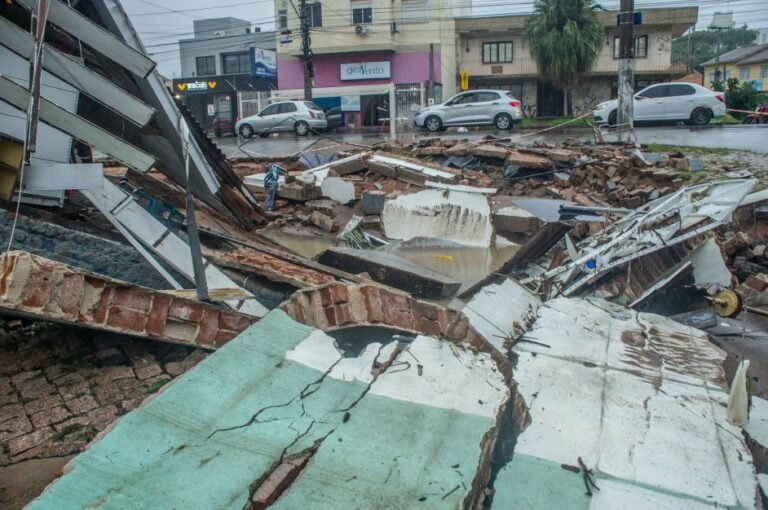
[300, 117]
[685, 102]
[334, 117]
[222, 124]
[472, 108]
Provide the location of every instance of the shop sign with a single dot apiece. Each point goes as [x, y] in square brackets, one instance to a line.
[194, 86]
[366, 71]
[264, 64]
[350, 103]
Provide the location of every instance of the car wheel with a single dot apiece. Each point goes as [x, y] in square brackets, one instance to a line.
[701, 117]
[433, 123]
[613, 118]
[301, 128]
[503, 122]
[246, 131]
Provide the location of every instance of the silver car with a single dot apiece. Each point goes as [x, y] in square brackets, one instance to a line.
[300, 117]
[472, 108]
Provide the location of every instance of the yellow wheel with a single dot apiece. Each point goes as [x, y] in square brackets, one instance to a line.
[727, 303]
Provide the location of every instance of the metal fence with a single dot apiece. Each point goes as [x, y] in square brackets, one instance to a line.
[410, 98]
[251, 102]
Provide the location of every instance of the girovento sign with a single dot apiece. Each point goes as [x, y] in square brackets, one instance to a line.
[365, 71]
[194, 86]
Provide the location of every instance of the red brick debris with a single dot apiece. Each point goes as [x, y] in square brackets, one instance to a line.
[52, 291]
[60, 386]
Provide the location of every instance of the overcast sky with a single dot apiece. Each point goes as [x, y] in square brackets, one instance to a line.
[161, 26]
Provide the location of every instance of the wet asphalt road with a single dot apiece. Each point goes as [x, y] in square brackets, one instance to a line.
[751, 138]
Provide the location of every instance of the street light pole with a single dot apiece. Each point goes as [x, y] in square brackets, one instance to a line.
[626, 69]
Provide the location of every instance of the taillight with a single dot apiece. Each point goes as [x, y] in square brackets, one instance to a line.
[311, 114]
[514, 104]
[720, 97]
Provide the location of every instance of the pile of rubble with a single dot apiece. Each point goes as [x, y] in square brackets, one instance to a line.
[438, 307]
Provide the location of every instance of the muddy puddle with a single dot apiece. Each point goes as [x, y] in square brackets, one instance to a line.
[467, 265]
[308, 246]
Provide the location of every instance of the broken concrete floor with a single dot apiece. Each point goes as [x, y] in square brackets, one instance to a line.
[304, 395]
[613, 393]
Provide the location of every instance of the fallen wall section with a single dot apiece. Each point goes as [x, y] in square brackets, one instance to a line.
[38, 287]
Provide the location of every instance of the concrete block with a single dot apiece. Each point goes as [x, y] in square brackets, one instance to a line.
[322, 221]
[373, 202]
[516, 220]
[338, 189]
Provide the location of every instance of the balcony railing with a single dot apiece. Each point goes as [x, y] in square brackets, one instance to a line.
[606, 64]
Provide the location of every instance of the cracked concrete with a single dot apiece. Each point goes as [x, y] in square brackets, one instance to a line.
[290, 411]
[435, 422]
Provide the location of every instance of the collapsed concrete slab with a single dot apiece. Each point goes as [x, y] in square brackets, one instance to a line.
[453, 215]
[290, 411]
[46, 290]
[391, 270]
[412, 171]
[643, 398]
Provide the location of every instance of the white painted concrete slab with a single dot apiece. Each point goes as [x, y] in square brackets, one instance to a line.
[498, 309]
[338, 189]
[456, 216]
[450, 378]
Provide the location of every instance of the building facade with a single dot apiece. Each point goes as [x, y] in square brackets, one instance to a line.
[748, 64]
[360, 48]
[494, 53]
[227, 70]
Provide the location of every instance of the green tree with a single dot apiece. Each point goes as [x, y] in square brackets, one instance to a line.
[565, 37]
[707, 44]
[741, 95]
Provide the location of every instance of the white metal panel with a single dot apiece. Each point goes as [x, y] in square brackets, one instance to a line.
[63, 176]
[120, 208]
[96, 37]
[76, 74]
[120, 19]
[83, 130]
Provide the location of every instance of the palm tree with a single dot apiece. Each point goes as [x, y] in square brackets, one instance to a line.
[565, 37]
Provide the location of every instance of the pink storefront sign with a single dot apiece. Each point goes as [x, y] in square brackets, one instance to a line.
[404, 68]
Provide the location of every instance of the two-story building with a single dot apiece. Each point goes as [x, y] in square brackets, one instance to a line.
[224, 66]
[747, 64]
[361, 47]
[493, 51]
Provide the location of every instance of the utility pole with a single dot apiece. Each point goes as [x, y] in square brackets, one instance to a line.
[305, 49]
[626, 69]
[39, 19]
[431, 83]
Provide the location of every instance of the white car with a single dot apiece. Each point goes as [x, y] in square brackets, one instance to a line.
[472, 108]
[300, 117]
[686, 102]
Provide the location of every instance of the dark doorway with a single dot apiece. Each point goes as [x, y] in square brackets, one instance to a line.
[549, 100]
[373, 109]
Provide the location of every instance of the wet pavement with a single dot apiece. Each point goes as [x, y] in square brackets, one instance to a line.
[751, 138]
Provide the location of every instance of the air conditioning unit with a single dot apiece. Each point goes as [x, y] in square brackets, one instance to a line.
[361, 30]
[395, 27]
